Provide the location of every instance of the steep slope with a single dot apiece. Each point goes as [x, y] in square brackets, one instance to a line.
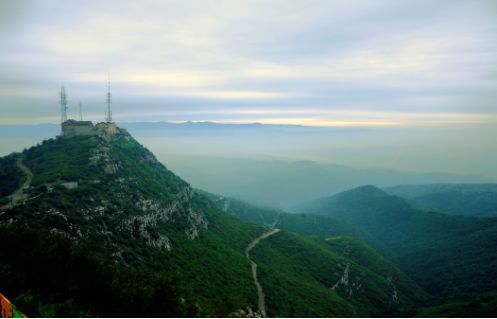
[452, 257]
[478, 200]
[310, 273]
[110, 200]
[118, 199]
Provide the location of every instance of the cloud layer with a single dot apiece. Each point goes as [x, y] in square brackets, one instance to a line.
[343, 63]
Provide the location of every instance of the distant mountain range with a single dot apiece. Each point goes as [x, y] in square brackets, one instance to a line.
[284, 184]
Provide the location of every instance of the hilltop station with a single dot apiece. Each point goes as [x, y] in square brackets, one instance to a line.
[71, 127]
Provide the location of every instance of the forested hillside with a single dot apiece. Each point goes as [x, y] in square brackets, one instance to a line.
[452, 257]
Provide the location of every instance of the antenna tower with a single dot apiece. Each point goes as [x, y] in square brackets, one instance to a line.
[63, 105]
[80, 111]
[109, 97]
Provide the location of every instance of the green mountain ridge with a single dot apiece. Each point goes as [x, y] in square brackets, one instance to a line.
[108, 201]
[477, 200]
[307, 224]
[452, 257]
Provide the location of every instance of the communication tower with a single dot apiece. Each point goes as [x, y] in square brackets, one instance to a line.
[63, 105]
[109, 97]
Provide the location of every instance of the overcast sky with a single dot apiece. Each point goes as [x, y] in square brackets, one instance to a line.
[343, 63]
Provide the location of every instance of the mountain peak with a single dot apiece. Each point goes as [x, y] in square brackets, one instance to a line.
[370, 190]
[366, 199]
[106, 188]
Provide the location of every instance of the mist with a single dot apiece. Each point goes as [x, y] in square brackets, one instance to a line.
[279, 165]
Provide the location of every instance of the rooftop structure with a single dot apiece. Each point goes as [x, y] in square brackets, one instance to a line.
[72, 128]
[76, 128]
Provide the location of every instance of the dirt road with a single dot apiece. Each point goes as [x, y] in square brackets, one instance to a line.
[18, 195]
[260, 291]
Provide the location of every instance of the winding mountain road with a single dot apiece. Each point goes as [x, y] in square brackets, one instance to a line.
[18, 195]
[260, 293]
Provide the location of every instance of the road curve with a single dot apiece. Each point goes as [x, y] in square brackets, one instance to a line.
[260, 293]
[18, 195]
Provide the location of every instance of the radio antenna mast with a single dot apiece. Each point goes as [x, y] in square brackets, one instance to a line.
[63, 105]
[109, 97]
[80, 111]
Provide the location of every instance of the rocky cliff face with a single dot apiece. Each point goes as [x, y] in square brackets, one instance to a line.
[118, 191]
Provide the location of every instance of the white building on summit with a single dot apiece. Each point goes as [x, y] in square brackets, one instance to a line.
[72, 127]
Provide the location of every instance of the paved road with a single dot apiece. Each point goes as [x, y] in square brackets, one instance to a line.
[260, 292]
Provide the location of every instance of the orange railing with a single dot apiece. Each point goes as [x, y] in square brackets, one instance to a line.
[8, 310]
